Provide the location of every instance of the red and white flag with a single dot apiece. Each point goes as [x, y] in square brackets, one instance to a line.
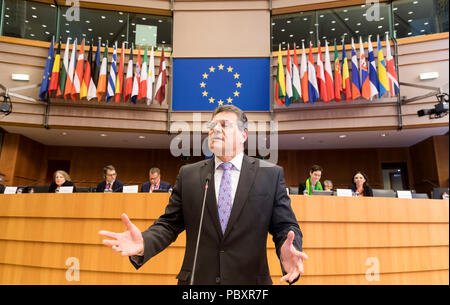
[78, 76]
[129, 78]
[160, 88]
[328, 74]
[70, 71]
[321, 76]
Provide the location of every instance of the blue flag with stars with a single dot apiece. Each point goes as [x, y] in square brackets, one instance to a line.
[47, 73]
[203, 84]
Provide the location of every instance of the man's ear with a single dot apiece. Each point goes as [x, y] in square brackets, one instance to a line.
[244, 135]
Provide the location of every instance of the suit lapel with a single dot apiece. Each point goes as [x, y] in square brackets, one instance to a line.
[246, 179]
[211, 203]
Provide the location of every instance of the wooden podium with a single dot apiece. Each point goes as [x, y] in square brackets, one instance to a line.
[53, 239]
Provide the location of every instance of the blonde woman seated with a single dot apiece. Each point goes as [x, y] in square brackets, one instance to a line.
[60, 178]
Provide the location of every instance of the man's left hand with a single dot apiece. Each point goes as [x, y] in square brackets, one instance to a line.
[292, 259]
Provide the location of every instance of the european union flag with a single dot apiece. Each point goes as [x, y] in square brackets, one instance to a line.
[203, 84]
[47, 73]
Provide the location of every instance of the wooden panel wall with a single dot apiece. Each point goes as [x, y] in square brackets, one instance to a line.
[404, 241]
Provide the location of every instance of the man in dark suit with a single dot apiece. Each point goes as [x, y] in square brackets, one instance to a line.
[2, 187]
[246, 200]
[110, 184]
[155, 182]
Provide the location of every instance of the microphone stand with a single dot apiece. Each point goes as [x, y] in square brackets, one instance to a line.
[200, 229]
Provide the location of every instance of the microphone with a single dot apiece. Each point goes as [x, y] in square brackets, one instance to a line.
[208, 178]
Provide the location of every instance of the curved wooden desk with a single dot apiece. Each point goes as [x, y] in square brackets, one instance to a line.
[44, 236]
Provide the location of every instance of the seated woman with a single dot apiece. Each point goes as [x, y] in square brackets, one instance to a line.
[60, 178]
[327, 185]
[312, 183]
[360, 186]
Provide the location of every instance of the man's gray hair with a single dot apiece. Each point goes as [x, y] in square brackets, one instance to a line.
[242, 118]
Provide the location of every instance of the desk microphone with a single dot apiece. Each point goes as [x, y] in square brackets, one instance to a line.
[208, 177]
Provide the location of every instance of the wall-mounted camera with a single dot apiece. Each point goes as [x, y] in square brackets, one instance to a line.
[6, 105]
[440, 109]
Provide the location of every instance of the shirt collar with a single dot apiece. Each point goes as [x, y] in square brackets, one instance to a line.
[236, 161]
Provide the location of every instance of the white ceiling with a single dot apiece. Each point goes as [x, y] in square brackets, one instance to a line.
[354, 139]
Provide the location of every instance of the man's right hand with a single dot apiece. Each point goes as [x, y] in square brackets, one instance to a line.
[128, 243]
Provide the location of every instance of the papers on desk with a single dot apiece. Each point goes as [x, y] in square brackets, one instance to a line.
[130, 189]
[10, 190]
[65, 189]
[344, 192]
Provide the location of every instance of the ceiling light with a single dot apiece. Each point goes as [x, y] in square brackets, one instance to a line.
[163, 41]
[333, 29]
[87, 21]
[410, 33]
[302, 138]
[346, 19]
[103, 135]
[90, 30]
[283, 30]
[409, 20]
[120, 20]
[305, 19]
[415, 2]
[333, 21]
[395, 8]
[141, 137]
[64, 133]
[291, 35]
[345, 11]
[34, 16]
[120, 13]
[410, 13]
[359, 23]
[33, 8]
[321, 16]
[288, 21]
[426, 23]
[356, 31]
[383, 135]
[44, 26]
[422, 31]
[159, 20]
[342, 136]
[311, 32]
[48, 33]
[380, 26]
[273, 23]
[32, 35]
[67, 31]
[103, 17]
[143, 18]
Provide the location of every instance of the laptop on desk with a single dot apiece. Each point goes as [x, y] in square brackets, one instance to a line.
[322, 193]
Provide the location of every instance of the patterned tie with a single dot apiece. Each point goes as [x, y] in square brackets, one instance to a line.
[224, 201]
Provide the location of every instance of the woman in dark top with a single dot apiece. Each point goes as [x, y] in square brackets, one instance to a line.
[359, 185]
[60, 178]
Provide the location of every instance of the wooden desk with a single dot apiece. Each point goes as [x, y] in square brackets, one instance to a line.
[42, 236]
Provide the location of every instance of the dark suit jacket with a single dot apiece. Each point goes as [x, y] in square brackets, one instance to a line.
[117, 187]
[367, 190]
[53, 186]
[239, 256]
[2, 188]
[145, 188]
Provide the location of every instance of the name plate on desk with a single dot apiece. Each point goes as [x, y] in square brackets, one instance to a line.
[130, 189]
[404, 194]
[66, 190]
[344, 192]
[10, 190]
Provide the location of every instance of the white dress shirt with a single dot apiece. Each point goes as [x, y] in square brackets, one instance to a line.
[235, 173]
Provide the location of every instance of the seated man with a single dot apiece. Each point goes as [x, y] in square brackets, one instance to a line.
[2, 187]
[155, 182]
[110, 184]
[313, 181]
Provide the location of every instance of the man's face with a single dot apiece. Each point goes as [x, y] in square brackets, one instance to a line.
[110, 176]
[225, 139]
[315, 176]
[1, 179]
[154, 178]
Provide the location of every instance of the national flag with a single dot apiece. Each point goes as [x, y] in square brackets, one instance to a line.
[150, 77]
[137, 78]
[365, 83]
[304, 76]
[345, 75]
[373, 77]
[337, 75]
[129, 78]
[101, 85]
[63, 70]
[70, 71]
[87, 75]
[55, 71]
[321, 76]
[92, 88]
[111, 90]
[328, 74]
[78, 76]
[391, 73]
[288, 82]
[96, 68]
[356, 84]
[280, 85]
[296, 87]
[160, 89]
[143, 80]
[47, 72]
[383, 84]
[313, 90]
[119, 80]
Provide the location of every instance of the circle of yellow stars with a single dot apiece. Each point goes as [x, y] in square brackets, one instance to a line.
[213, 69]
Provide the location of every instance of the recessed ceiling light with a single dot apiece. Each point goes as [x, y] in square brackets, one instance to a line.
[87, 21]
[120, 20]
[321, 16]
[342, 136]
[292, 35]
[103, 135]
[426, 23]
[143, 18]
[395, 8]
[120, 13]
[410, 13]
[409, 20]
[415, 2]
[103, 17]
[356, 31]
[410, 33]
[32, 35]
[159, 20]
[311, 32]
[67, 31]
[273, 23]
[284, 42]
[305, 19]
[333, 29]
[302, 138]
[333, 21]
[26, 21]
[359, 23]
[380, 26]
[90, 30]
[33, 8]
[383, 135]
[422, 31]
[283, 30]
[34, 16]
[397, 24]
[48, 33]
[141, 137]
[163, 41]
[346, 19]
[64, 133]
[288, 21]
[345, 11]
[7, 16]
[44, 25]
[111, 34]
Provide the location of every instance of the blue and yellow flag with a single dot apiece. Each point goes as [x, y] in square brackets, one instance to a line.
[203, 84]
[383, 84]
[47, 73]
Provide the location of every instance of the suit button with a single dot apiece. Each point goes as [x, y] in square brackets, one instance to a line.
[217, 280]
